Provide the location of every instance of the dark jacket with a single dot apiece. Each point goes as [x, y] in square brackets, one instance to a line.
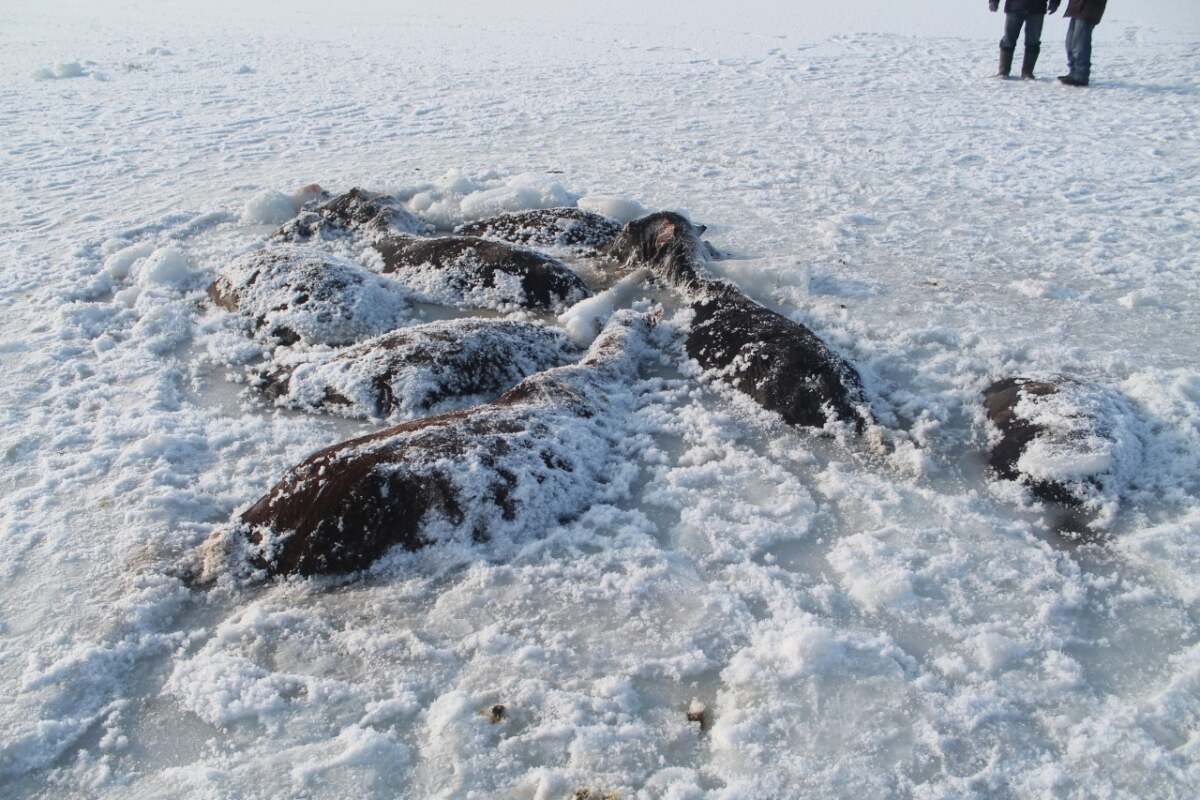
[1090, 11]
[1030, 7]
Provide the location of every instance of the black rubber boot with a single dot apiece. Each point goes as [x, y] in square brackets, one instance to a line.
[1071, 80]
[1031, 57]
[1006, 57]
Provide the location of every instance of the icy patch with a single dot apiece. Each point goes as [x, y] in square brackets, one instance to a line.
[357, 747]
[873, 571]
[222, 689]
[808, 704]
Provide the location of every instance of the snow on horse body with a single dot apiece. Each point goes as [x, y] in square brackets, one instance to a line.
[779, 363]
[467, 271]
[513, 468]
[303, 294]
[551, 227]
[438, 366]
[1068, 442]
[356, 211]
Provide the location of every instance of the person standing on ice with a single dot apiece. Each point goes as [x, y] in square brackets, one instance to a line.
[1027, 13]
[1084, 15]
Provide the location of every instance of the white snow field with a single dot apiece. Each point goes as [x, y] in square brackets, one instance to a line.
[856, 617]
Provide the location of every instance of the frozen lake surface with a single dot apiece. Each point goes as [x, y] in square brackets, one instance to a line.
[855, 621]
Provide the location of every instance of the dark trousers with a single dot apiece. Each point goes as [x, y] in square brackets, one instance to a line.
[1012, 30]
[1079, 49]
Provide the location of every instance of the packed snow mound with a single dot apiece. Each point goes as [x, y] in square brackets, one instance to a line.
[69, 69]
[507, 470]
[431, 368]
[120, 263]
[168, 267]
[456, 197]
[619, 208]
[584, 320]
[469, 272]
[269, 207]
[303, 294]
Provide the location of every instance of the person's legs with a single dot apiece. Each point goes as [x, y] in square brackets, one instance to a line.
[1083, 52]
[1071, 46]
[1033, 44]
[1033, 30]
[1079, 53]
[1012, 30]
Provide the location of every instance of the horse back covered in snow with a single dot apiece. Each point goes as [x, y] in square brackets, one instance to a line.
[779, 363]
[356, 211]
[1069, 442]
[552, 227]
[437, 366]
[514, 467]
[470, 271]
[303, 294]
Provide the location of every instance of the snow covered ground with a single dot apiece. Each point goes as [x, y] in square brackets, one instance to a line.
[853, 624]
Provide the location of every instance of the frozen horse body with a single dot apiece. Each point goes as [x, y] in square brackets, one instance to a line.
[514, 467]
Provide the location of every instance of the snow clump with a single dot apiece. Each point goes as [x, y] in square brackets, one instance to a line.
[69, 69]
[457, 197]
[166, 266]
[269, 207]
[119, 264]
[584, 320]
[616, 207]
